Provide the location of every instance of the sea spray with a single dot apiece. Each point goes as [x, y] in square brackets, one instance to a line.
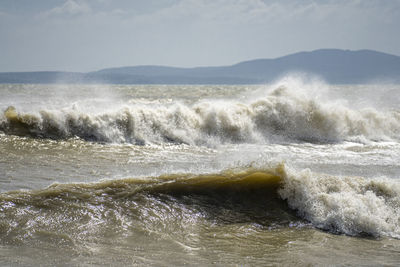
[348, 205]
[281, 115]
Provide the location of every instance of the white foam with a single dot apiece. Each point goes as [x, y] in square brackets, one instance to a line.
[349, 205]
[284, 111]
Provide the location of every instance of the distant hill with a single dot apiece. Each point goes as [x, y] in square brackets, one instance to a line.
[333, 65]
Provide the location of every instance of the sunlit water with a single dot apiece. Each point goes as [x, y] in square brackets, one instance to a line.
[296, 172]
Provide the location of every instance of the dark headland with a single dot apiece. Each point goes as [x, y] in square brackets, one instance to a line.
[332, 65]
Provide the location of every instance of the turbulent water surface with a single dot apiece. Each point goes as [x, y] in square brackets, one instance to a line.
[289, 173]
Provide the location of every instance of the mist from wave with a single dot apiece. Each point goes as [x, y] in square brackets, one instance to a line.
[286, 111]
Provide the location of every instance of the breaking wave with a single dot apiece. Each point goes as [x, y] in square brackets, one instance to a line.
[276, 196]
[281, 115]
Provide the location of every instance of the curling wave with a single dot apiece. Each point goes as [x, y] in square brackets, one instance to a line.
[268, 197]
[280, 116]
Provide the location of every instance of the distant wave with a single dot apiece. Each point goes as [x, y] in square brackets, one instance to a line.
[280, 115]
[271, 196]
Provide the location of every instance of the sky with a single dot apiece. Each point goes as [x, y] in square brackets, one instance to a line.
[89, 35]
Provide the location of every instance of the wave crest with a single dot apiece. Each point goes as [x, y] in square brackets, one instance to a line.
[348, 205]
[281, 115]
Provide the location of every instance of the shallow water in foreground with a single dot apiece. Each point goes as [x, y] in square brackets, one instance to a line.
[290, 173]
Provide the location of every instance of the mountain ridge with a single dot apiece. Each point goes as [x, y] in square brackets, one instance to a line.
[332, 65]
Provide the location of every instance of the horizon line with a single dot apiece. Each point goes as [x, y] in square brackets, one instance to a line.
[204, 66]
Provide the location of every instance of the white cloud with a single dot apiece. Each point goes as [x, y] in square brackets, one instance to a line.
[4, 15]
[69, 8]
[258, 11]
[222, 11]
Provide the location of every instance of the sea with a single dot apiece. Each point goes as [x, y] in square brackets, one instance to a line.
[294, 172]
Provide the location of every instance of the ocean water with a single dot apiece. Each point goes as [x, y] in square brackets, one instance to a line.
[293, 172]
